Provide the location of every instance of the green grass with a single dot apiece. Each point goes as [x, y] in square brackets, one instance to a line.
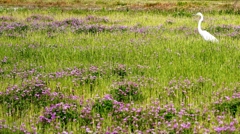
[165, 54]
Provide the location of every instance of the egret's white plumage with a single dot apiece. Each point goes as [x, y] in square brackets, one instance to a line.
[206, 35]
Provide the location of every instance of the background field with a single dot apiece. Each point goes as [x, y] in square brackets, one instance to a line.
[118, 66]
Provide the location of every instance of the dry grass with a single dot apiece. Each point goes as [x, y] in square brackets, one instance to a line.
[130, 5]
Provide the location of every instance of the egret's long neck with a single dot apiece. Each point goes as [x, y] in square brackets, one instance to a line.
[199, 24]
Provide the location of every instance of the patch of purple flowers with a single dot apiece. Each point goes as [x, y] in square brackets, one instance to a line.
[120, 70]
[6, 18]
[38, 18]
[126, 91]
[32, 91]
[62, 112]
[6, 129]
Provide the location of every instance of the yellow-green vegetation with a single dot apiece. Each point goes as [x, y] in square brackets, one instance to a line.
[131, 67]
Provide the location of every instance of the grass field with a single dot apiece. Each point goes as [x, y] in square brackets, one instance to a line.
[118, 67]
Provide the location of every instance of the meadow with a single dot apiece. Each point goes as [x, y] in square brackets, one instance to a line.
[119, 68]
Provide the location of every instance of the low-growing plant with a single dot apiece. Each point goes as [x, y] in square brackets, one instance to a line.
[96, 19]
[32, 91]
[4, 60]
[38, 17]
[120, 70]
[7, 129]
[10, 131]
[91, 29]
[15, 27]
[224, 127]
[92, 74]
[223, 28]
[103, 106]
[126, 91]
[6, 18]
[61, 112]
[231, 106]
[151, 51]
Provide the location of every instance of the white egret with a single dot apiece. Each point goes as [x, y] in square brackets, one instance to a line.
[206, 35]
